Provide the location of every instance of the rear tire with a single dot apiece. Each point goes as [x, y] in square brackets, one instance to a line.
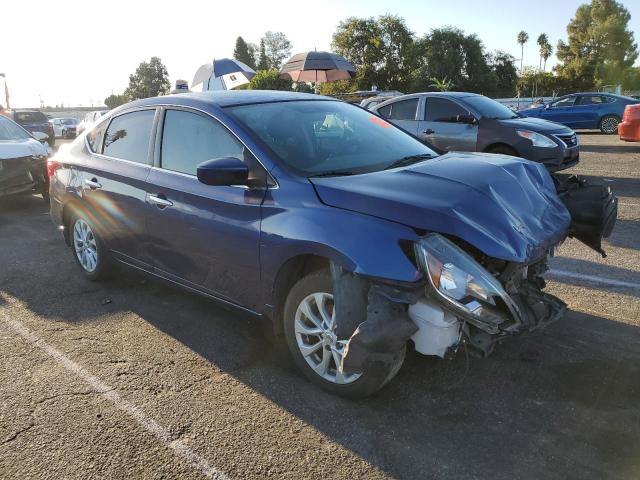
[87, 248]
[306, 293]
[609, 124]
[503, 150]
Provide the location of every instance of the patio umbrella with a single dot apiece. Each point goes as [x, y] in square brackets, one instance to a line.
[317, 67]
[223, 74]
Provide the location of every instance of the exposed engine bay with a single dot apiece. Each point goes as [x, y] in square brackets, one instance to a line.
[466, 297]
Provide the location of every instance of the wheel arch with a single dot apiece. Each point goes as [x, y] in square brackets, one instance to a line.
[493, 145]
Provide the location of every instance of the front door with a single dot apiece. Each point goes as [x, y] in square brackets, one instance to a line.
[441, 128]
[204, 236]
[562, 111]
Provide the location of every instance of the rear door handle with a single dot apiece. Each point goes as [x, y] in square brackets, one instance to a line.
[160, 201]
[428, 131]
[93, 184]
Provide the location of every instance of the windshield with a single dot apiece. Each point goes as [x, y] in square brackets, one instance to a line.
[10, 131]
[328, 137]
[68, 121]
[488, 108]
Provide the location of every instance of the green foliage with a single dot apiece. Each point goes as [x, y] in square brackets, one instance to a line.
[442, 85]
[243, 53]
[263, 61]
[277, 48]
[631, 79]
[503, 76]
[600, 46]
[149, 80]
[303, 87]
[336, 88]
[269, 80]
[534, 83]
[113, 101]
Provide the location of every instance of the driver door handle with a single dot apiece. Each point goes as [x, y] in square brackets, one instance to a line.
[160, 201]
[93, 184]
[428, 131]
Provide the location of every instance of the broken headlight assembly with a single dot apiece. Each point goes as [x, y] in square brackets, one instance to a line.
[463, 285]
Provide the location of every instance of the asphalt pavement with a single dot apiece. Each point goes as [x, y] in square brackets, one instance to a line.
[135, 379]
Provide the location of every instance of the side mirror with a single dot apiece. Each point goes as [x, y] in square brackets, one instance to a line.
[466, 119]
[547, 106]
[223, 172]
[40, 136]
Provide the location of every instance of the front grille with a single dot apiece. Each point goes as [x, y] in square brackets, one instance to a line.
[570, 140]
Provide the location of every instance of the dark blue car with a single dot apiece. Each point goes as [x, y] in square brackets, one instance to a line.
[584, 110]
[351, 236]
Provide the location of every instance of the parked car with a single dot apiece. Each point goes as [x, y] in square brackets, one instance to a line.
[347, 233]
[23, 161]
[88, 120]
[64, 127]
[467, 122]
[584, 110]
[371, 102]
[34, 121]
[629, 128]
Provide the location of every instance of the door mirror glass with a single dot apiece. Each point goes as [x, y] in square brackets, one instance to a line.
[40, 136]
[467, 119]
[224, 171]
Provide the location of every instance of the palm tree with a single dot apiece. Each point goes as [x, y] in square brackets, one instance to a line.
[546, 51]
[542, 40]
[523, 37]
[443, 85]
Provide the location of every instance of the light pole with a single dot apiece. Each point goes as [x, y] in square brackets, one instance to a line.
[6, 91]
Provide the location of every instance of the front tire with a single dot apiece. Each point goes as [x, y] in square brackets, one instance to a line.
[503, 150]
[309, 327]
[609, 124]
[87, 248]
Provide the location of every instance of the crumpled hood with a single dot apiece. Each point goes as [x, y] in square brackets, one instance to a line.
[536, 125]
[24, 148]
[506, 207]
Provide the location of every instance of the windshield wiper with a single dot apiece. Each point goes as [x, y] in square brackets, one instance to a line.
[409, 160]
[332, 173]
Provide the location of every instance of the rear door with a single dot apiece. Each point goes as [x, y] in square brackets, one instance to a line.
[114, 181]
[589, 108]
[440, 127]
[204, 236]
[403, 113]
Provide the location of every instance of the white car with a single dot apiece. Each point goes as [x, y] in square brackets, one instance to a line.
[89, 119]
[64, 127]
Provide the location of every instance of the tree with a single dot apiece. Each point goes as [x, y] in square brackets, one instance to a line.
[113, 101]
[277, 48]
[523, 37]
[242, 53]
[150, 80]
[449, 53]
[505, 76]
[542, 41]
[263, 61]
[546, 51]
[600, 46]
[269, 80]
[382, 50]
[442, 85]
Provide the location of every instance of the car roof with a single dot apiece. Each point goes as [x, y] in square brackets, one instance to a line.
[426, 94]
[227, 98]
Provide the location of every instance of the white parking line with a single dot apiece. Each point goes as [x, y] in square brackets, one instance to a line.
[144, 420]
[593, 279]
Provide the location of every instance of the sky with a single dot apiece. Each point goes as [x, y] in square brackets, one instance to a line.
[77, 52]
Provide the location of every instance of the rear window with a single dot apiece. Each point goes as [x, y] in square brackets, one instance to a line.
[30, 117]
[128, 136]
[404, 109]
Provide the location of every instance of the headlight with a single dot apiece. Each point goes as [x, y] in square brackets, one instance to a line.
[463, 283]
[537, 140]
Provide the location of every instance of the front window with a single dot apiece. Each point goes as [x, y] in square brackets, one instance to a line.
[322, 137]
[488, 108]
[9, 131]
[564, 102]
[442, 110]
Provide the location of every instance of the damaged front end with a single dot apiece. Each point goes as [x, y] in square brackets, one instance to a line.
[462, 300]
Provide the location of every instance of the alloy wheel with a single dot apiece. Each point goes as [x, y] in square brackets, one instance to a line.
[84, 245]
[315, 327]
[610, 125]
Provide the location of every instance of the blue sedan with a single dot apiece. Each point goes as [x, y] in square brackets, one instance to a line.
[584, 110]
[349, 235]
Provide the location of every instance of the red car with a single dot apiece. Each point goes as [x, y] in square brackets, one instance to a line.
[629, 128]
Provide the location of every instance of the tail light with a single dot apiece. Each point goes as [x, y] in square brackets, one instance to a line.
[52, 166]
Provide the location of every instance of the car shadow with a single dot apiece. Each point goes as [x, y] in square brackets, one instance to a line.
[557, 403]
[623, 147]
[620, 186]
